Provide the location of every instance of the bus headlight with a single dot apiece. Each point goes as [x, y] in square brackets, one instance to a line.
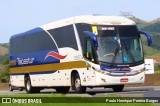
[101, 71]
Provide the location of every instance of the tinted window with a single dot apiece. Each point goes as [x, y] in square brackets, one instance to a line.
[89, 50]
[32, 42]
[64, 37]
[16, 44]
[38, 42]
[81, 28]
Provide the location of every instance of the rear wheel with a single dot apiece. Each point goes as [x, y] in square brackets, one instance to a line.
[117, 88]
[29, 88]
[10, 88]
[62, 89]
[77, 85]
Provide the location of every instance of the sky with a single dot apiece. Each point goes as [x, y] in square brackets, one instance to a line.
[17, 16]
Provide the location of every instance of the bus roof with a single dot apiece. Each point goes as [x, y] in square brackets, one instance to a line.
[90, 19]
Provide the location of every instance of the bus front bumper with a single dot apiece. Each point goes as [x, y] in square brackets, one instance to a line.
[113, 79]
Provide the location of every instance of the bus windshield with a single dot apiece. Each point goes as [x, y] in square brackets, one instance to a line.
[119, 44]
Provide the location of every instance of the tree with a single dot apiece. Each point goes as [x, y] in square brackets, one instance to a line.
[4, 73]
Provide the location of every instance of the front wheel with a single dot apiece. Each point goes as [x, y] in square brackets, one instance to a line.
[77, 85]
[117, 88]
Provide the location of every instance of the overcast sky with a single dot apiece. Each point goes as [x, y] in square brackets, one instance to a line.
[18, 16]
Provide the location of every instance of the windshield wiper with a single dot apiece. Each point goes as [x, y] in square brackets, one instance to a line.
[118, 49]
[116, 52]
[129, 52]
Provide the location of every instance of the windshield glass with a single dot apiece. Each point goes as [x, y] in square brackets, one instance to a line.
[120, 44]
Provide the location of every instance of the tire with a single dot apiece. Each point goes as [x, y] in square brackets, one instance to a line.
[10, 88]
[29, 88]
[118, 88]
[77, 85]
[62, 89]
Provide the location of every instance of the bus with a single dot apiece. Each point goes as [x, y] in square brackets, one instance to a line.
[78, 53]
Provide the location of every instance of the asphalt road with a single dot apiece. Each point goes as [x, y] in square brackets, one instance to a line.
[151, 91]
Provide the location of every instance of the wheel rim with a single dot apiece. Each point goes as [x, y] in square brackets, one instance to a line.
[10, 88]
[77, 83]
[28, 85]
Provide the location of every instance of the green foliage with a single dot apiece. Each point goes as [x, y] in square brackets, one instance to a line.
[157, 67]
[148, 51]
[6, 45]
[155, 40]
[152, 28]
[4, 75]
[142, 25]
[5, 60]
[4, 72]
[82, 101]
[1, 59]
[82, 104]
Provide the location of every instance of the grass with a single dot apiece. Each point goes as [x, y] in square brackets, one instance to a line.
[82, 104]
[80, 99]
[157, 68]
[156, 54]
[157, 72]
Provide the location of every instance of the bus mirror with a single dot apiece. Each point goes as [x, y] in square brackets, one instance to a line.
[93, 37]
[149, 39]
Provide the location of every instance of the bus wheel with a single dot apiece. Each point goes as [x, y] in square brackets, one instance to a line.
[77, 85]
[117, 88]
[62, 89]
[10, 88]
[29, 88]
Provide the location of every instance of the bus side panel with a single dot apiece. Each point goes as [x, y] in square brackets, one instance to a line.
[17, 80]
[87, 76]
[42, 80]
[59, 73]
[57, 78]
[63, 78]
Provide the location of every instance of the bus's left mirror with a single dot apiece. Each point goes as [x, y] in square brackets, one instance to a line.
[149, 39]
[93, 37]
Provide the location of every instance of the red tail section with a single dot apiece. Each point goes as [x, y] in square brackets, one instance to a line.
[55, 55]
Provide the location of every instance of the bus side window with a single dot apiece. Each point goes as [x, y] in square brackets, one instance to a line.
[89, 51]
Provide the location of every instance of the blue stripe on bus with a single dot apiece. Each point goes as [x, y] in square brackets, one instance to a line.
[112, 69]
[39, 58]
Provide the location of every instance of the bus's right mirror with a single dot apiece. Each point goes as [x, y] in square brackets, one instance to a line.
[93, 37]
[149, 39]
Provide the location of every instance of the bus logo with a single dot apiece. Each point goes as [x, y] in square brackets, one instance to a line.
[55, 55]
[25, 61]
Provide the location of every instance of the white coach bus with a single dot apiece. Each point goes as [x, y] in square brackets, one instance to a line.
[78, 52]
